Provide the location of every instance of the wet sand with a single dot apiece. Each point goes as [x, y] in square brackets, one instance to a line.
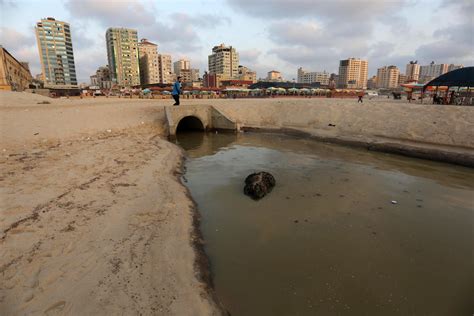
[92, 217]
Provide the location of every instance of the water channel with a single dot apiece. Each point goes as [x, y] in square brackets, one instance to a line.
[344, 232]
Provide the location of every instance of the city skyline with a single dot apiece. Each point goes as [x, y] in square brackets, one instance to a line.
[267, 35]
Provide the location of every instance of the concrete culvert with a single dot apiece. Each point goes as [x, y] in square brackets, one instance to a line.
[190, 123]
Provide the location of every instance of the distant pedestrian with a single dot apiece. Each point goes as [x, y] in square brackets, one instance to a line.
[360, 95]
[176, 91]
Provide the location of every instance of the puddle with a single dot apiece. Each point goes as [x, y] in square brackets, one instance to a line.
[328, 240]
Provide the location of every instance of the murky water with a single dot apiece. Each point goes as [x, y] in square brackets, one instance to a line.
[328, 240]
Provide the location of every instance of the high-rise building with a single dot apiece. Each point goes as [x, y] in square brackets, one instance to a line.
[402, 78]
[353, 73]
[148, 55]
[412, 71]
[432, 71]
[387, 77]
[122, 52]
[224, 61]
[311, 77]
[452, 67]
[195, 74]
[56, 53]
[182, 64]
[164, 66]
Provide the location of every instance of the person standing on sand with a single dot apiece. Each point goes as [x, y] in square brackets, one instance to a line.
[176, 91]
[361, 95]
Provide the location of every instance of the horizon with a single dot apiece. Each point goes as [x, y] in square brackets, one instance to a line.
[268, 35]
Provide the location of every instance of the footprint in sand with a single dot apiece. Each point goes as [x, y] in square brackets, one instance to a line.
[56, 307]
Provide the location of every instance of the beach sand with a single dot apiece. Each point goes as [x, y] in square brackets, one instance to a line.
[94, 219]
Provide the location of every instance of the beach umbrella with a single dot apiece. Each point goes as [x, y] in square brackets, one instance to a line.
[166, 92]
[293, 90]
[146, 91]
[305, 90]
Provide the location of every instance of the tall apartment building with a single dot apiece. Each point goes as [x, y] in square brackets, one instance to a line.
[182, 64]
[56, 53]
[402, 78]
[387, 77]
[122, 53]
[433, 70]
[452, 67]
[164, 66]
[412, 71]
[311, 77]
[224, 61]
[353, 73]
[274, 75]
[14, 75]
[195, 74]
[148, 61]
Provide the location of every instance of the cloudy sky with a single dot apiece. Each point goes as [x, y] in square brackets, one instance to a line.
[269, 34]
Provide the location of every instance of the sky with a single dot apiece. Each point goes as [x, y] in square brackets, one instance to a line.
[269, 35]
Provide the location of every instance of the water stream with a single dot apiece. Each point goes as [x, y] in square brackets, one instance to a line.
[328, 240]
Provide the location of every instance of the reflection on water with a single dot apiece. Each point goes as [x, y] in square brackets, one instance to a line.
[328, 240]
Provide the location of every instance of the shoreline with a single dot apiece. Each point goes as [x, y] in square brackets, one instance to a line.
[202, 263]
[427, 153]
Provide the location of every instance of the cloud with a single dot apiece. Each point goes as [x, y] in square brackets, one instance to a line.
[455, 42]
[128, 13]
[334, 9]
[174, 33]
[22, 46]
[249, 56]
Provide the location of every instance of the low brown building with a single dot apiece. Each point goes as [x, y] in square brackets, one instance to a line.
[14, 75]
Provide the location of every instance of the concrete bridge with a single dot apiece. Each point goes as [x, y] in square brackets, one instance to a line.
[196, 117]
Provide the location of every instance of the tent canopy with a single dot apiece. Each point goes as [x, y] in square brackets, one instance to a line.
[463, 77]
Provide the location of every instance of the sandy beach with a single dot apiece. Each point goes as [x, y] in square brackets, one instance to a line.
[94, 219]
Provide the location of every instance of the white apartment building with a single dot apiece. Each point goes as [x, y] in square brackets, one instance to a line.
[315, 76]
[387, 77]
[164, 66]
[224, 61]
[148, 55]
[353, 73]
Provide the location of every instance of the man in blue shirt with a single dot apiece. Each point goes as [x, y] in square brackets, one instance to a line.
[176, 91]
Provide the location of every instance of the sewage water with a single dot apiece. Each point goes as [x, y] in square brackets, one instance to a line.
[328, 240]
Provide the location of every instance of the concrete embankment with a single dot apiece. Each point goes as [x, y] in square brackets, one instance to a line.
[442, 133]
